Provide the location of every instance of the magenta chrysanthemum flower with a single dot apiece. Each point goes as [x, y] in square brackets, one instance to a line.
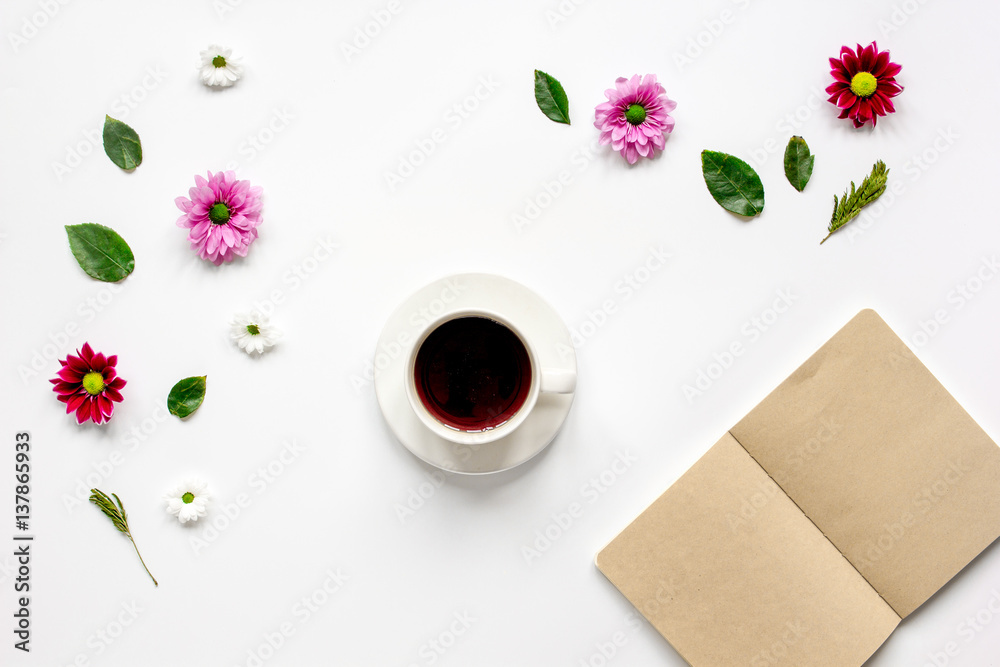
[89, 384]
[864, 80]
[635, 117]
[223, 215]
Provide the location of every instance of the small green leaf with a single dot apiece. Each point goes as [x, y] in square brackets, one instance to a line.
[121, 143]
[798, 163]
[186, 396]
[733, 183]
[101, 252]
[551, 97]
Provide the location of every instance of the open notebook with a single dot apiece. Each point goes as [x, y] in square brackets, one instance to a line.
[835, 508]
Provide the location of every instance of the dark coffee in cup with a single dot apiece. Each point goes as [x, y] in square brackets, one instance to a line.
[472, 374]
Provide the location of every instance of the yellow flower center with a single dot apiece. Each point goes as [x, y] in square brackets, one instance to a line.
[863, 84]
[187, 498]
[93, 382]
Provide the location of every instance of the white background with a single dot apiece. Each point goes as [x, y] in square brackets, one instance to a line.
[354, 117]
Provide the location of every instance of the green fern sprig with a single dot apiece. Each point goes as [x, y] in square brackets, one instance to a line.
[849, 206]
[119, 518]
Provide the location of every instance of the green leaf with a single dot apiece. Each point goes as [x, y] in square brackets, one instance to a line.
[798, 163]
[101, 252]
[121, 143]
[551, 97]
[848, 208]
[733, 183]
[186, 396]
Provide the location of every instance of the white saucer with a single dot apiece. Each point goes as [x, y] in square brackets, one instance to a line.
[524, 309]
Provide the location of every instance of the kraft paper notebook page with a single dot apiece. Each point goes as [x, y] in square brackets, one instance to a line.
[837, 506]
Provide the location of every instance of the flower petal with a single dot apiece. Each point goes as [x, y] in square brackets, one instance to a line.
[881, 63]
[99, 362]
[105, 405]
[73, 404]
[77, 363]
[631, 154]
[69, 374]
[846, 100]
[852, 63]
[83, 411]
[876, 103]
[65, 388]
[867, 57]
[841, 77]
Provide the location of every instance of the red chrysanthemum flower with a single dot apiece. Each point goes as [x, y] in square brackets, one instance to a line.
[864, 82]
[89, 384]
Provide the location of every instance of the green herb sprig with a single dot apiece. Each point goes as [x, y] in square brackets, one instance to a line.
[849, 206]
[118, 517]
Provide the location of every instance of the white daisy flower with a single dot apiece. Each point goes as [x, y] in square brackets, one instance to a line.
[188, 501]
[253, 332]
[218, 67]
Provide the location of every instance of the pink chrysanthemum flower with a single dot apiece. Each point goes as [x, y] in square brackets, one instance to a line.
[223, 215]
[635, 117]
[864, 80]
[89, 384]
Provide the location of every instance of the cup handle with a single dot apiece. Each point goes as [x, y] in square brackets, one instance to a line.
[557, 381]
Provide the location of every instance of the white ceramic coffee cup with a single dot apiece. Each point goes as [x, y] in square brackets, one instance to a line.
[543, 380]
